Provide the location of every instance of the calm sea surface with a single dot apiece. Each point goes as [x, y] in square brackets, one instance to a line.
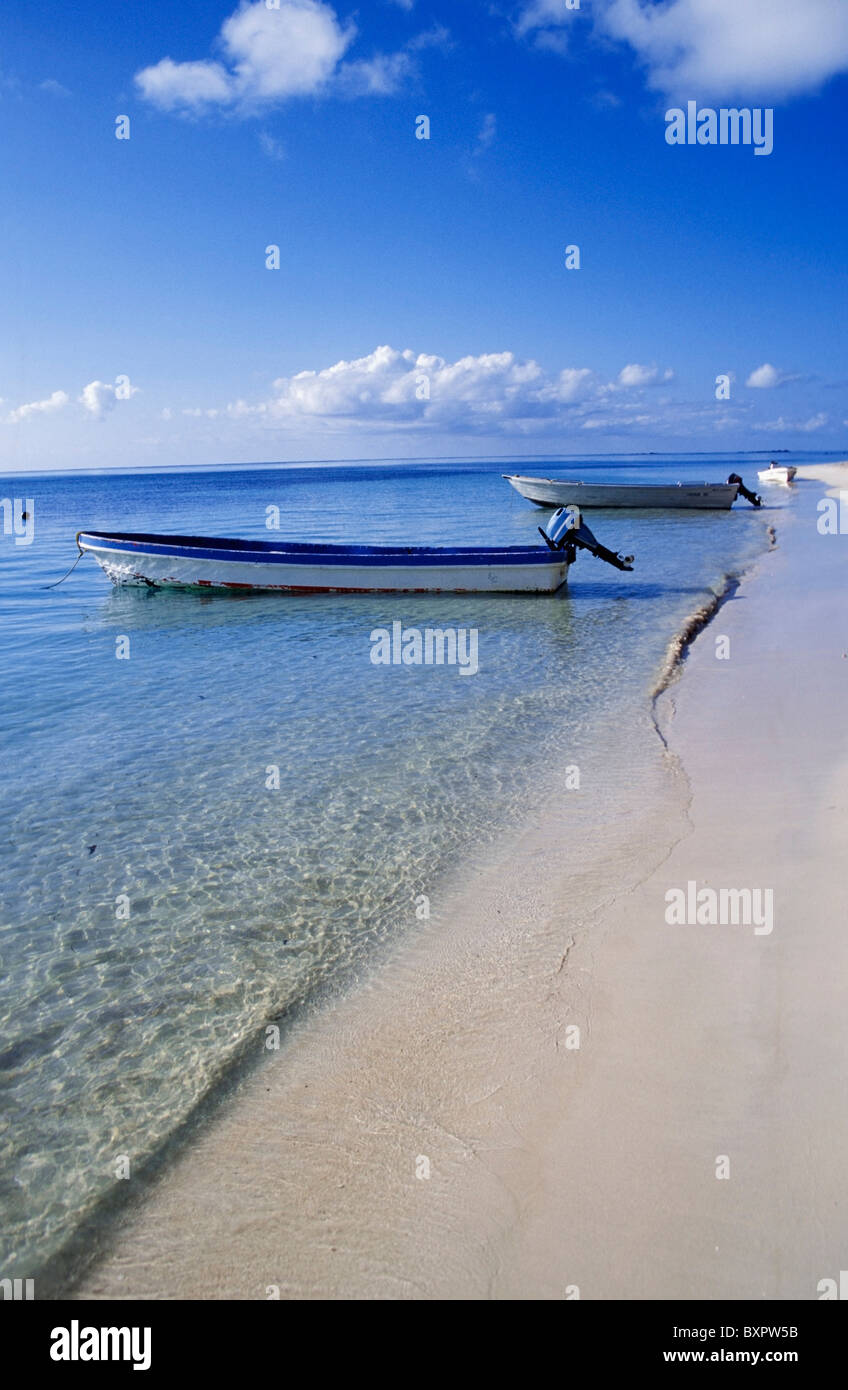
[162, 898]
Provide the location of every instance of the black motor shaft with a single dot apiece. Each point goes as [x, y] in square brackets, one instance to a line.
[753, 497]
[582, 538]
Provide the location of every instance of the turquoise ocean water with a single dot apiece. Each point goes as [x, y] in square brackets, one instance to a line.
[161, 902]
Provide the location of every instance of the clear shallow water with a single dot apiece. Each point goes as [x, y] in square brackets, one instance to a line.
[143, 781]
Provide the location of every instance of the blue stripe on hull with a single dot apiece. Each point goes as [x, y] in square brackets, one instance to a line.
[308, 553]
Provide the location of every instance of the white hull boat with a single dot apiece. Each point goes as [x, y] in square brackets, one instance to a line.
[778, 473]
[204, 562]
[558, 492]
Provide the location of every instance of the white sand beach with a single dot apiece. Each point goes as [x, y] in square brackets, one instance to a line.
[438, 1135]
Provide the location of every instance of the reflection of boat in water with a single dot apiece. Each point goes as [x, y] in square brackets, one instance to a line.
[307, 567]
[559, 492]
[778, 473]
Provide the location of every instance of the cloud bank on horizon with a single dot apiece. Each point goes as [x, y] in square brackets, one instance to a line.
[494, 391]
[494, 394]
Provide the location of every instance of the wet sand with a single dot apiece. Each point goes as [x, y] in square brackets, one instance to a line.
[438, 1134]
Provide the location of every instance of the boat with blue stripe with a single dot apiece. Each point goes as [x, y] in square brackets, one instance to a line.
[318, 567]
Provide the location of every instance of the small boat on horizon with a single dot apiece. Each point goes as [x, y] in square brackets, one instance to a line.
[778, 473]
[317, 567]
[559, 492]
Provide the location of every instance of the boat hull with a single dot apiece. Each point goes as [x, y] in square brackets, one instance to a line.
[778, 475]
[302, 568]
[554, 492]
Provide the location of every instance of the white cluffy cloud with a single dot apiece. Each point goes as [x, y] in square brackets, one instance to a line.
[271, 55]
[636, 375]
[492, 391]
[99, 397]
[545, 22]
[45, 407]
[55, 88]
[767, 376]
[733, 48]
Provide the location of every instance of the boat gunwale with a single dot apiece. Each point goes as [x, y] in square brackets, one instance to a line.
[301, 552]
[615, 487]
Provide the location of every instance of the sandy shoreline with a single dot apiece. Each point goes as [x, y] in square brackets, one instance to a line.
[553, 1166]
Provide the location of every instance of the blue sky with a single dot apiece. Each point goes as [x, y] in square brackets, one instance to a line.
[422, 305]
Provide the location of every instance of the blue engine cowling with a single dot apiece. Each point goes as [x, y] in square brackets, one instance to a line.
[563, 520]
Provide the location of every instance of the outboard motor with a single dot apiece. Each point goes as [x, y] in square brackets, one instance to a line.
[567, 531]
[560, 523]
[753, 497]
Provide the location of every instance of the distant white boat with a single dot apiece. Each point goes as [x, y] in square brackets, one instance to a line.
[778, 473]
[557, 492]
[304, 567]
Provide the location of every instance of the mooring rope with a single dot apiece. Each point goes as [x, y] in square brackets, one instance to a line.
[65, 576]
